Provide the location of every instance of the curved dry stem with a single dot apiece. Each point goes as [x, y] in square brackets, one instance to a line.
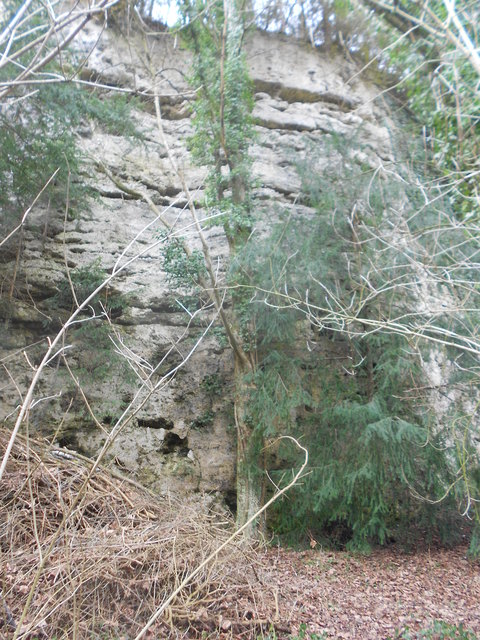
[229, 540]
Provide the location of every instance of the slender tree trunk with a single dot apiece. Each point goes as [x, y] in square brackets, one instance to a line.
[327, 27]
[250, 474]
[223, 108]
[17, 266]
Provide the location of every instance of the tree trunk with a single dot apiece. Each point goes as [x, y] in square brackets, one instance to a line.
[327, 27]
[250, 472]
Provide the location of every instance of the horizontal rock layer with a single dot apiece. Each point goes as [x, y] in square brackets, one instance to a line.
[183, 438]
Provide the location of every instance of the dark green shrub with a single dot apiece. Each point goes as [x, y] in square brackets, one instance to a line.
[203, 421]
[85, 280]
[212, 385]
[350, 395]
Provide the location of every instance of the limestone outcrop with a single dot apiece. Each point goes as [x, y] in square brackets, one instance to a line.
[183, 438]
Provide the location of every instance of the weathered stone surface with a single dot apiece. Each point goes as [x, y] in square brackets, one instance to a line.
[182, 438]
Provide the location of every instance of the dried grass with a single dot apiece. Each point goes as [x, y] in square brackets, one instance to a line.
[120, 554]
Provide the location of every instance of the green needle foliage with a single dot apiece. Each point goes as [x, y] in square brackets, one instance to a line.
[37, 138]
[34, 144]
[441, 86]
[351, 398]
[182, 271]
[38, 127]
[222, 112]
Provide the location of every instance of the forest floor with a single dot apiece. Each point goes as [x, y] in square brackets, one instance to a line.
[93, 556]
[379, 596]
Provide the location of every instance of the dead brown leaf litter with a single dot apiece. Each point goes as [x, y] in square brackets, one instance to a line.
[347, 596]
[106, 554]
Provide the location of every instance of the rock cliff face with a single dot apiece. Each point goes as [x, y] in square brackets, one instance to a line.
[182, 438]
